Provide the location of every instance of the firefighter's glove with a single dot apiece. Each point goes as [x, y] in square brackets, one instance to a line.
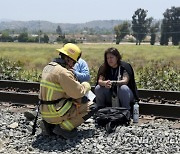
[87, 86]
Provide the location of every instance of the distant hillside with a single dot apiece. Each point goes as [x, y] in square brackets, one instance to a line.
[49, 27]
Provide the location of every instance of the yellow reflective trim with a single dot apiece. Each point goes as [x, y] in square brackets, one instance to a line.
[53, 109]
[65, 108]
[49, 108]
[51, 85]
[49, 116]
[68, 125]
[65, 126]
[53, 113]
[56, 123]
[49, 94]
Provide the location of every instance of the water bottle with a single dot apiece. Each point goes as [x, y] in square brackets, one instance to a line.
[136, 113]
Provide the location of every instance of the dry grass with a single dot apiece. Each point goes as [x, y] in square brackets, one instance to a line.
[34, 55]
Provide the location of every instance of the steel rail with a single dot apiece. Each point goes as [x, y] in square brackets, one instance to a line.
[22, 85]
[159, 94]
[143, 93]
[146, 108]
[18, 98]
[160, 110]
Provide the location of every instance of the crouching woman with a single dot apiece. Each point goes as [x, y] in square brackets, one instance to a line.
[115, 82]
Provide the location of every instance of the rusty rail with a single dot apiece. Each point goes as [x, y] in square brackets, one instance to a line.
[161, 109]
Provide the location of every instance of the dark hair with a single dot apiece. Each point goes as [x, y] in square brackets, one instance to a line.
[103, 70]
[114, 52]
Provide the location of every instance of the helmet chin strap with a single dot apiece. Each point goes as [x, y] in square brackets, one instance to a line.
[60, 61]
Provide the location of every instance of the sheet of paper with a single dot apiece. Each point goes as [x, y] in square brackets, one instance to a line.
[90, 95]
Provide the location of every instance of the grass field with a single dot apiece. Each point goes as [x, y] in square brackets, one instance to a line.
[156, 67]
[38, 55]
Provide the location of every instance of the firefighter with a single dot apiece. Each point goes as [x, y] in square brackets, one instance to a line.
[81, 72]
[63, 104]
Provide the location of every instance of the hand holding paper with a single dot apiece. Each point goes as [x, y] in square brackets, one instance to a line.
[90, 95]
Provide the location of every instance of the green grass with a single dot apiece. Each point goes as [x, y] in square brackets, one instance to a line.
[34, 55]
[156, 67]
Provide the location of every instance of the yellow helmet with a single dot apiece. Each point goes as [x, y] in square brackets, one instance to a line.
[71, 50]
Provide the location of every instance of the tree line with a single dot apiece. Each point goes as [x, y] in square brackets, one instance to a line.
[38, 38]
[24, 37]
[139, 27]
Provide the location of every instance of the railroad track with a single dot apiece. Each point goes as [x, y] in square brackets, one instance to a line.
[152, 102]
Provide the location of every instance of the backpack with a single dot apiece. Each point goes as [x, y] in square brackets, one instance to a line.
[111, 117]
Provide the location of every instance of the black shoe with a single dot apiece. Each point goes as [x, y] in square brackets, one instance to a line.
[65, 133]
[47, 129]
[30, 115]
[110, 127]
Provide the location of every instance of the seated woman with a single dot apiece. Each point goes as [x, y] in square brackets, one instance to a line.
[115, 80]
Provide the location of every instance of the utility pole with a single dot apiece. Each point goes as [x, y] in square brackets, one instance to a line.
[39, 32]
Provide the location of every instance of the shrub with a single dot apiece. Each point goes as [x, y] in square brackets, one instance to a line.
[10, 70]
[159, 75]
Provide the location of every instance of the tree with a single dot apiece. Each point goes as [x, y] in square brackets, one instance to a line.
[23, 37]
[153, 30]
[171, 26]
[140, 25]
[121, 31]
[46, 38]
[5, 37]
[165, 33]
[58, 30]
[175, 28]
[60, 38]
[39, 36]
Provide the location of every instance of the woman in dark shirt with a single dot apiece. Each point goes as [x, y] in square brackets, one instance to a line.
[113, 82]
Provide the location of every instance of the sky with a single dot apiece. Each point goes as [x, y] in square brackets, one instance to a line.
[81, 11]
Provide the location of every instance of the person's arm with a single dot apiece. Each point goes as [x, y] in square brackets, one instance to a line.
[81, 71]
[71, 87]
[125, 79]
[105, 83]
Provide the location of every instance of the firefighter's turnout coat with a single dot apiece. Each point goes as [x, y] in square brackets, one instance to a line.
[58, 83]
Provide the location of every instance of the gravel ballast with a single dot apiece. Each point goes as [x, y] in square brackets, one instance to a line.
[159, 136]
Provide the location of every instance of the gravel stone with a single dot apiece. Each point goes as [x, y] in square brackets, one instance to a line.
[156, 136]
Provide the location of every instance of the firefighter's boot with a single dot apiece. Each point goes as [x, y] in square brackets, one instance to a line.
[64, 133]
[47, 129]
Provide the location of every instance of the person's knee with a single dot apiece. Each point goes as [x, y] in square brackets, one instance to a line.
[124, 88]
[97, 89]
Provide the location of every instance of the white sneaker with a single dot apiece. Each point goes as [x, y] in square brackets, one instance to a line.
[90, 120]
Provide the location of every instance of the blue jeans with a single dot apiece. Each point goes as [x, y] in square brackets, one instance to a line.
[103, 96]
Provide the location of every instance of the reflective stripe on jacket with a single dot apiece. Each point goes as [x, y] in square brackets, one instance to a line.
[51, 88]
[52, 113]
[58, 82]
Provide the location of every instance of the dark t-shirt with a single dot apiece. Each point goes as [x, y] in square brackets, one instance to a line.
[112, 74]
